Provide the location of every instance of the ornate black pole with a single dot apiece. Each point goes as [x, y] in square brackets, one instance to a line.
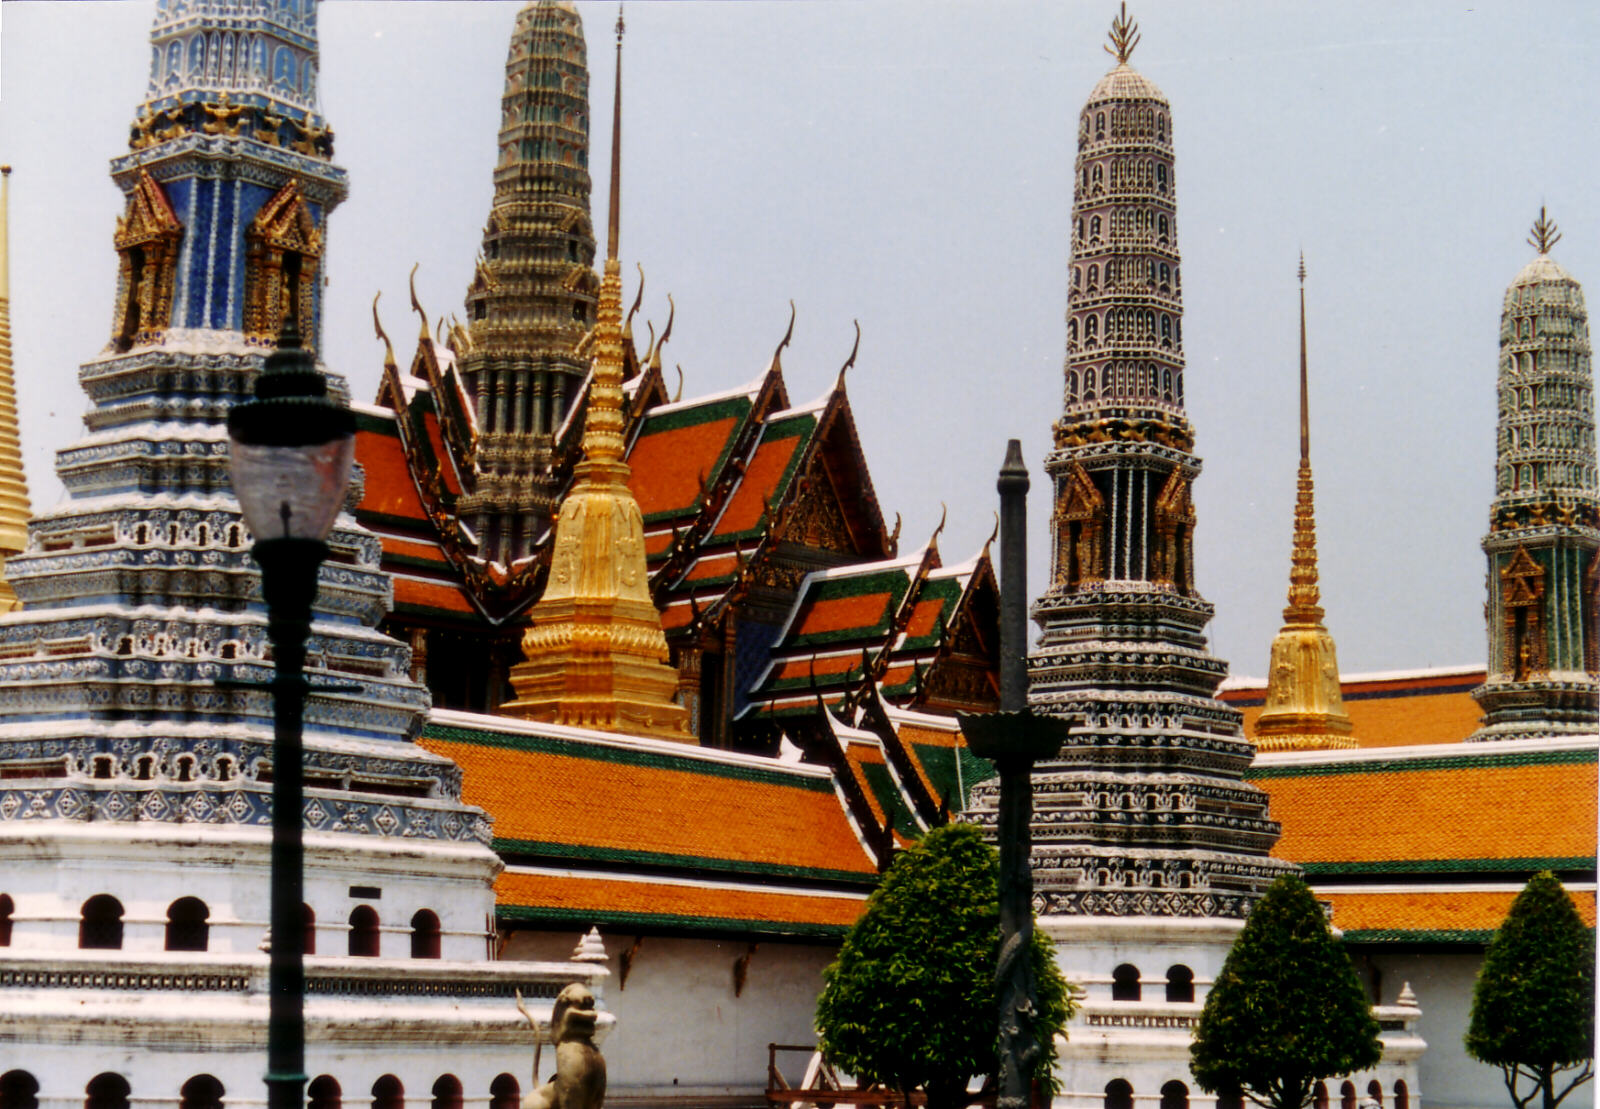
[1014, 739]
[290, 457]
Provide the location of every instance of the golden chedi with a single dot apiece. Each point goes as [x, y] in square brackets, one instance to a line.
[1304, 711]
[595, 655]
[14, 511]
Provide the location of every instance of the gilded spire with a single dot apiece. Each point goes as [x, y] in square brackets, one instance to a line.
[1124, 36]
[595, 656]
[1545, 234]
[14, 511]
[1304, 709]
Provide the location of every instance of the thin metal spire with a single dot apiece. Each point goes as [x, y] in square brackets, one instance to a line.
[1545, 235]
[1124, 37]
[615, 218]
[1305, 406]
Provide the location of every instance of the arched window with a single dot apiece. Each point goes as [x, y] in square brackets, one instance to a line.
[7, 907]
[1119, 1094]
[188, 927]
[1094, 228]
[1319, 1096]
[1347, 1095]
[1094, 277]
[1402, 1096]
[425, 935]
[19, 1090]
[1375, 1092]
[1174, 1095]
[308, 928]
[504, 1093]
[1161, 227]
[1125, 983]
[1072, 385]
[1180, 983]
[201, 1092]
[447, 1092]
[100, 925]
[106, 1091]
[388, 1093]
[364, 932]
[1100, 125]
[324, 1093]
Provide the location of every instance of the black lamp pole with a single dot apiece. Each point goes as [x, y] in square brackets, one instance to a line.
[290, 465]
[1014, 739]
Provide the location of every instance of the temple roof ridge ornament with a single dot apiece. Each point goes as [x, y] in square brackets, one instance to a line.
[1304, 708]
[1124, 36]
[1545, 233]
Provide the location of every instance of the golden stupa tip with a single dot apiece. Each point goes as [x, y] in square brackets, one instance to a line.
[1124, 36]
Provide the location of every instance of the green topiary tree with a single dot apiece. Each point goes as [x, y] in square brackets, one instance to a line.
[1287, 1009]
[911, 1000]
[1533, 1006]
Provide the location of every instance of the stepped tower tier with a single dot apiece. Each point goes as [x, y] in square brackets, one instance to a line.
[534, 293]
[1145, 812]
[1543, 543]
[136, 725]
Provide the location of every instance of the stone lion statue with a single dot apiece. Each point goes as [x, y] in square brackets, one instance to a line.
[580, 1078]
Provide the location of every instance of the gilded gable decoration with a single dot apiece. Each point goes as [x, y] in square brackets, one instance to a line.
[1080, 531]
[1173, 557]
[147, 239]
[1522, 584]
[283, 253]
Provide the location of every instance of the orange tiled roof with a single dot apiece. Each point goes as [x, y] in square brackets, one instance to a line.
[445, 596]
[669, 465]
[642, 805]
[595, 899]
[389, 489]
[447, 470]
[1429, 913]
[1488, 809]
[1403, 710]
[763, 479]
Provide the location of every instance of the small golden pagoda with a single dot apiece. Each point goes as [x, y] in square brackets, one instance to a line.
[14, 510]
[595, 656]
[1304, 711]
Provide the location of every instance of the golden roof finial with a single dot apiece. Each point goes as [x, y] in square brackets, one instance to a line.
[1124, 36]
[595, 655]
[1545, 235]
[1304, 709]
[14, 508]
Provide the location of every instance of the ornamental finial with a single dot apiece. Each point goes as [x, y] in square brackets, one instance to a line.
[1124, 36]
[1545, 233]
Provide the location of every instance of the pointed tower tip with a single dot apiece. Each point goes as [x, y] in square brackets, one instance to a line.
[614, 220]
[1301, 272]
[1545, 233]
[1124, 36]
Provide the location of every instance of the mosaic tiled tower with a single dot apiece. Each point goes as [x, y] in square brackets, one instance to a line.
[1145, 812]
[534, 293]
[135, 731]
[1149, 849]
[1544, 525]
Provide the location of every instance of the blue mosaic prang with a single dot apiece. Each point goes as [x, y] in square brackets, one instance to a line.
[258, 54]
[133, 680]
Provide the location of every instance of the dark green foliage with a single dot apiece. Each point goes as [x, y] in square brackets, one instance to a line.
[911, 1000]
[1533, 1006]
[1287, 1009]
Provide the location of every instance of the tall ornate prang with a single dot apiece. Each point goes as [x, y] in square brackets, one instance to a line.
[532, 297]
[136, 720]
[1149, 848]
[14, 511]
[1304, 709]
[596, 654]
[1543, 543]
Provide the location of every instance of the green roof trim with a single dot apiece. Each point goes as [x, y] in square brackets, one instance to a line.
[894, 582]
[1578, 756]
[1466, 936]
[941, 763]
[373, 422]
[545, 849]
[947, 590]
[794, 427]
[735, 408]
[1447, 866]
[890, 799]
[641, 921]
[605, 752]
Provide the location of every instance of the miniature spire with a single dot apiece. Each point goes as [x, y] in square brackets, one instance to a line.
[14, 511]
[1545, 234]
[596, 656]
[1124, 36]
[1304, 709]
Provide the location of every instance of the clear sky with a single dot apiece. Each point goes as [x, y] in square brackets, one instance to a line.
[909, 165]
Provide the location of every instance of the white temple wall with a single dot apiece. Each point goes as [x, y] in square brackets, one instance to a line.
[148, 867]
[680, 1030]
[1443, 984]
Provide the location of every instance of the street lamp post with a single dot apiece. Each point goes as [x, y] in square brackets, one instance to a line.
[1014, 739]
[291, 450]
